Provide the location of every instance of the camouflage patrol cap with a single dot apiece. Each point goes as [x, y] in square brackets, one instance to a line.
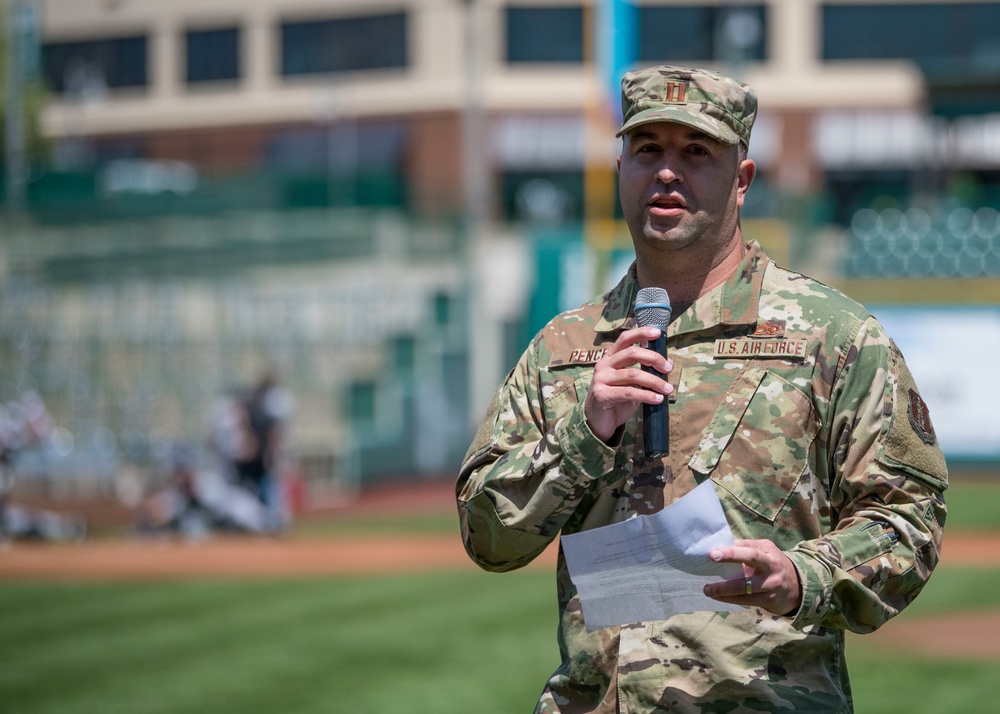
[700, 98]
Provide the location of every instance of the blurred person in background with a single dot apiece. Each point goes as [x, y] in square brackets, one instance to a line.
[267, 409]
[26, 433]
[197, 502]
[230, 439]
[247, 442]
[783, 392]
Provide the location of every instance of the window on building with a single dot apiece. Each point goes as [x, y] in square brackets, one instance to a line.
[404, 349]
[87, 68]
[443, 309]
[956, 46]
[545, 197]
[344, 44]
[213, 55]
[343, 163]
[927, 33]
[690, 33]
[545, 34]
[361, 402]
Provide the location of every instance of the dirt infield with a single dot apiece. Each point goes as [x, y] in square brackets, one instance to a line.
[235, 557]
[261, 556]
[969, 635]
[343, 555]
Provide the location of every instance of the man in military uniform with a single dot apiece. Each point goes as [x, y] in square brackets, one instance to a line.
[784, 393]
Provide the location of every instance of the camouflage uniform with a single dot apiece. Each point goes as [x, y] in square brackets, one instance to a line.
[794, 402]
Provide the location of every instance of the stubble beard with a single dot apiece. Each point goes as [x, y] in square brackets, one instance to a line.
[687, 248]
[676, 234]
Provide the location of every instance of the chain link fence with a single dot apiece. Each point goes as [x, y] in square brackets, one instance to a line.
[915, 243]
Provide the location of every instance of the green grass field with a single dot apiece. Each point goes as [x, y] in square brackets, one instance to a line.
[435, 643]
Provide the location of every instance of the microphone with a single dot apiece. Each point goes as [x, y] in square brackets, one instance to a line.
[652, 309]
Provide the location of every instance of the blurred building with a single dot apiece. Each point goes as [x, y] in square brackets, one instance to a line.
[856, 97]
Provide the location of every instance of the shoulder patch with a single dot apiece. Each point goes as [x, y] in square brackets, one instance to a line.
[911, 442]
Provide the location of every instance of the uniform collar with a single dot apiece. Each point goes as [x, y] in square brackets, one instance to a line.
[734, 303]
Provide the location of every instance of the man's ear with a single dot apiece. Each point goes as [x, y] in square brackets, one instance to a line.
[744, 177]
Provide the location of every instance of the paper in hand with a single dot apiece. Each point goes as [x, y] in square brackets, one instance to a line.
[652, 567]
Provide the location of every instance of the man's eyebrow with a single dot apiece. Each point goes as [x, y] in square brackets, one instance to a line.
[640, 135]
[697, 135]
[691, 135]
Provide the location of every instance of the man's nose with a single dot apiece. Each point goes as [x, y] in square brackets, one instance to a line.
[668, 172]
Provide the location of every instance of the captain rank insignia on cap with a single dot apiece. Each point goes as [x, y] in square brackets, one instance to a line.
[675, 92]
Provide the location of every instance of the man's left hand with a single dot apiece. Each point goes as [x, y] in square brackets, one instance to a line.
[773, 579]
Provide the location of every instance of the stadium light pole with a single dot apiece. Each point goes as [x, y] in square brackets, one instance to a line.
[610, 37]
[13, 112]
[474, 164]
[484, 341]
[21, 58]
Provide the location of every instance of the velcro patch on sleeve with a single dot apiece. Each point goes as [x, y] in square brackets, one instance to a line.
[911, 441]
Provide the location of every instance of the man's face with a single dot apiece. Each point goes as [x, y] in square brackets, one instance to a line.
[681, 188]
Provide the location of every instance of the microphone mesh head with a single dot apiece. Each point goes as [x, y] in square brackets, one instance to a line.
[652, 308]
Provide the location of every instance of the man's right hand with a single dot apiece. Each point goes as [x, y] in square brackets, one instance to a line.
[618, 387]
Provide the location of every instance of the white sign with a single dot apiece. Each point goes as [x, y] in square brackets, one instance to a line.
[952, 353]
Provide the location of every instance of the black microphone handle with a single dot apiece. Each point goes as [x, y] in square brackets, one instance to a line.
[655, 417]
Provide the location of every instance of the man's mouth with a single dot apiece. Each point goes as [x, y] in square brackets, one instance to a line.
[667, 203]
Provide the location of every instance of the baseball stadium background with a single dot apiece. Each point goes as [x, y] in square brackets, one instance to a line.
[378, 203]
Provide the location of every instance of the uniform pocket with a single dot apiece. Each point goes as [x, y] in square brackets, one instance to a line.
[562, 389]
[757, 444]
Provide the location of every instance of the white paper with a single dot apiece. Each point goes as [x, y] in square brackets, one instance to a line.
[652, 567]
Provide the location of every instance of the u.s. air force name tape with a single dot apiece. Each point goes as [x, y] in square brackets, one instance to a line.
[746, 349]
